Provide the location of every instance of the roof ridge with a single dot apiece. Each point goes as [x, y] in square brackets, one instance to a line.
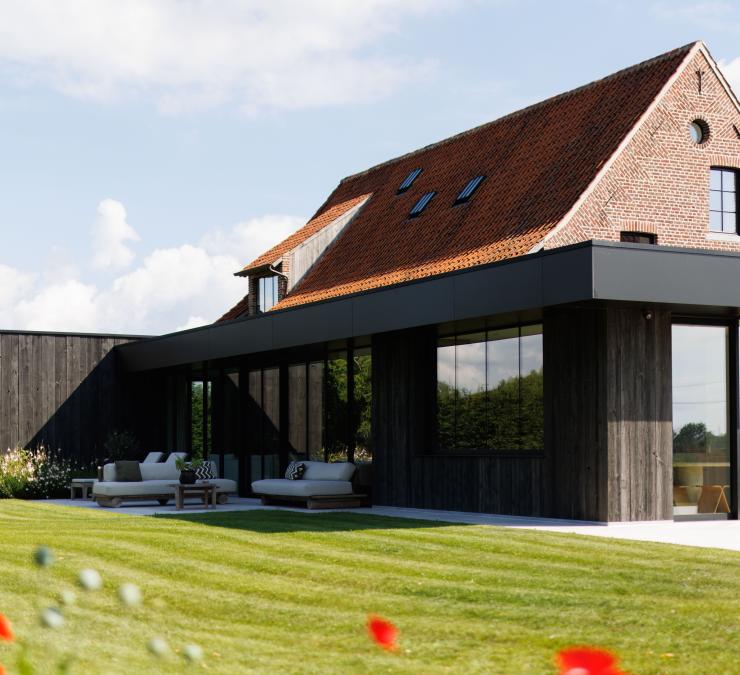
[619, 73]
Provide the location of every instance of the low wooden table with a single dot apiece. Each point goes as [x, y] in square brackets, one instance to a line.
[84, 485]
[207, 491]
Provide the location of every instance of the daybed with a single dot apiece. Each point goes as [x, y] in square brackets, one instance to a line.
[156, 485]
[323, 485]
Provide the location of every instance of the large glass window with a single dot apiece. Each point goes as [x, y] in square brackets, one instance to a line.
[268, 293]
[489, 390]
[363, 396]
[701, 447]
[335, 393]
[722, 200]
[264, 422]
[201, 396]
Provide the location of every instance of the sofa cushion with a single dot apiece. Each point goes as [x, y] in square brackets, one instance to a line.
[152, 457]
[328, 471]
[152, 487]
[295, 470]
[127, 471]
[204, 472]
[174, 455]
[282, 487]
[160, 471]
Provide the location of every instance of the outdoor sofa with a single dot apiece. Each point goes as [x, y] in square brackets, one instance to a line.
[322, 485]
[156, 485]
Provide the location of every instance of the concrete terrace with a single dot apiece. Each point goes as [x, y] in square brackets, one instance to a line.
[722, 534]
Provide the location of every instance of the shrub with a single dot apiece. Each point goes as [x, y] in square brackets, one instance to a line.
[34, 474]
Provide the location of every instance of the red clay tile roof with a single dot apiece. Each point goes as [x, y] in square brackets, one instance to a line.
[538, 161]
[327, 214]
[239, 309]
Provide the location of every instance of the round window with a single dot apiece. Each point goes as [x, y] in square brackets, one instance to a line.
[699, 131]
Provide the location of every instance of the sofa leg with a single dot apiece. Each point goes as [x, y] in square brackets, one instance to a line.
[163, 502]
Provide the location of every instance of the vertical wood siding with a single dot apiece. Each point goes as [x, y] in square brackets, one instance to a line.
[62, 391]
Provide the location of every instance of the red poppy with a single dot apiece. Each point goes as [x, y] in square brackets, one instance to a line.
[587, 661]
[6, 630]
[2, 669]
[383, 632]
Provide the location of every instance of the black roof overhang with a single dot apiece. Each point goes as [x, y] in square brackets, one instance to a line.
[686, 280]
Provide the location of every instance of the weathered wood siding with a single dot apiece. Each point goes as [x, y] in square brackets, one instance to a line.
[607, 425]
[62, 391]
[405, 473]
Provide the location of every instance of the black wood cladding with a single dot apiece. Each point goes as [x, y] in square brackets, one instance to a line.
[607, 425]
[62, 391]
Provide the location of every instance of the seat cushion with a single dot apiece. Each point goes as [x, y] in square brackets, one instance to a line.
[152, 487]
[328, 470]
[282, 487]
[128, 471]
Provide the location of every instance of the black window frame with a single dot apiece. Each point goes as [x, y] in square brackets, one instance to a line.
[471, 187]
[721, 191]
[628, 237]
[421, 205]
[409, 180]
[435, 449]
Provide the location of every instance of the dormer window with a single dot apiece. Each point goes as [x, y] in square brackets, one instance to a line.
[268, 293]
[408, 181]
[723, 200]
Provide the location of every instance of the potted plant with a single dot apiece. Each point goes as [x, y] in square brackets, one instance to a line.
[187, 468]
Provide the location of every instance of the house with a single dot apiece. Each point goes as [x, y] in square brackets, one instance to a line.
[536, 317]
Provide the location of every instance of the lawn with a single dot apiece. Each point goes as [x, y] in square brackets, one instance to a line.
[281, 592]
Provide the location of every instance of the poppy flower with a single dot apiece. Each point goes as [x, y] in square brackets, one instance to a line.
[6, 630]
[587, 661]
[383, 632]
[2, 669]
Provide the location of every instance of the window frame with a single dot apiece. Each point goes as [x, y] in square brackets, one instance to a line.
[471, 187]
[624, 236]
[434, 448]
[262, 308]
[736, 173]
[422, 203]
[410, 179]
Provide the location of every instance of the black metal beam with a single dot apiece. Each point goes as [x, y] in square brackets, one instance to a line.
[681, 279]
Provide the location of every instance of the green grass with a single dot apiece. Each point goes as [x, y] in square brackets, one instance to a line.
[281, 592]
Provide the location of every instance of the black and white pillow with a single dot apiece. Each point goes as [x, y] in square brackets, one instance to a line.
[295, 470]
[203, 472]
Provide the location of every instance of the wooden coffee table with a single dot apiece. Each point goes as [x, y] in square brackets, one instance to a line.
[207, 491]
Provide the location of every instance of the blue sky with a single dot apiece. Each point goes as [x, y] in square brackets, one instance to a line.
[153, 146]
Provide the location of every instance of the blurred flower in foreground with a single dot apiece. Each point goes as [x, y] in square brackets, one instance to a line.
[43, 556]
[129, 595]
[587, 661]
[2, 669]
[157, 646]
[67, 597]
[90, 580]
[383, 632]
[6, 630]
[51, 617]
[192, 652]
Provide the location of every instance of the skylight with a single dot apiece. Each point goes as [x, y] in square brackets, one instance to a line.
[421, 204]
[408, 181]
[469, 189]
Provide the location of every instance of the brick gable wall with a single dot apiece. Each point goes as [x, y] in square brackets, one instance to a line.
[660, 181]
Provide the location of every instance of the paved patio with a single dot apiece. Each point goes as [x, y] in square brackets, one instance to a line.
[723, 534]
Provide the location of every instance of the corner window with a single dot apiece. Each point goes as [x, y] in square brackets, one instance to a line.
[638, 238]
[268, 293]
[722, 200]
[489, 391]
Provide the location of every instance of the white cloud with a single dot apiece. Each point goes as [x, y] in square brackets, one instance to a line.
[171, 289]
[254, 53]
[731, 71]
[109, 234]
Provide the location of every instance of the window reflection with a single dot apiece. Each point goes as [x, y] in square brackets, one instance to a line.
[701, 449]
[489, 390]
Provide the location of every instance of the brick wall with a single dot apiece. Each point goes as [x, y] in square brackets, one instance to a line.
[660, 182]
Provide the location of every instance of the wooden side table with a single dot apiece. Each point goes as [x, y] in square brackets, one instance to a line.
[84, 485]
[207, 491]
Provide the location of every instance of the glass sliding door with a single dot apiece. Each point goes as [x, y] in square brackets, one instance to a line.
[701, 414]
